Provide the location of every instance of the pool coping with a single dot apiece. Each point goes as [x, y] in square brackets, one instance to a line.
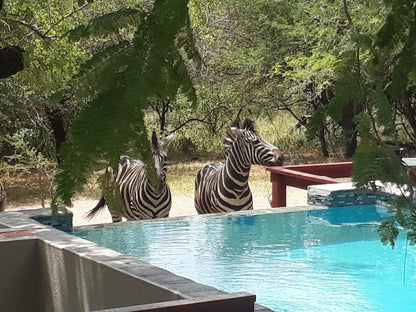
[206, 216]
[22, 225]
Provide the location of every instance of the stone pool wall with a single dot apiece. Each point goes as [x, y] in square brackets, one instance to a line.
[345, 194]
[55, 271]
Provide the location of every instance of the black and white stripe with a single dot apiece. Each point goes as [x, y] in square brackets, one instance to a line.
[223, 187]
[142, 199]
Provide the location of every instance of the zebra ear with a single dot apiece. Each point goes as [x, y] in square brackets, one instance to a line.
[155, 143]
[249, 124]
[231, 133]
[236, 123]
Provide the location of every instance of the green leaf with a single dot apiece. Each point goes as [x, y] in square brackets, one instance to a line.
[347, 87]
[363, 40]
[405, 65]
[106, 24]
[111, 193]
[384, 110]
[366, 168]
[102, 64]
[388, 231]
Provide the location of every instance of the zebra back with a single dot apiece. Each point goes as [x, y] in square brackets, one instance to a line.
[222, 187]
[142, 198]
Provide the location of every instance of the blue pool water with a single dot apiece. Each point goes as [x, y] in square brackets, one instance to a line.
[320, 260]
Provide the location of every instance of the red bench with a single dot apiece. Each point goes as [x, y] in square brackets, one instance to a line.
[301, 176]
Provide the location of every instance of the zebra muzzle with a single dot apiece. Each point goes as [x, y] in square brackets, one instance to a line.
[278, 158]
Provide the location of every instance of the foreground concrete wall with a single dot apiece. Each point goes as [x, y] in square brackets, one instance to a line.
[41, 277]
[20, 274]
[79, 284]
[43, 269]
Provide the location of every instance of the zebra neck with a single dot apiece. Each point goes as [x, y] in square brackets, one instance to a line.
[154, 189]
[236, 174]
[238, 162]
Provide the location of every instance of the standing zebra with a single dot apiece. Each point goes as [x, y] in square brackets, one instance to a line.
[142, 199]
[222, 187]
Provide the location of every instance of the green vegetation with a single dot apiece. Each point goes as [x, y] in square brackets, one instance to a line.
[124, 77]
[99, 76]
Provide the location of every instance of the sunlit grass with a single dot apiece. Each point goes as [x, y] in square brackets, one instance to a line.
[181, 176]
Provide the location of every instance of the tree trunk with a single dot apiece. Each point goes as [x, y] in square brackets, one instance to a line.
[349, 129]
[58, 129]
[324, 147]
[409, 111]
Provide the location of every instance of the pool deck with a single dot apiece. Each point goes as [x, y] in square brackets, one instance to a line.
[20, 225]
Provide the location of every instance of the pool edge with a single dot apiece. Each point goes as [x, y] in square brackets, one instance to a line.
[18, 222]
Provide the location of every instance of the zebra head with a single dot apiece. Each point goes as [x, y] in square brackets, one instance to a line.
[242, 140]
[159, 153]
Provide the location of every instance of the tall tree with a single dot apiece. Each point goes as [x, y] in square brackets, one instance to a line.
[49, 60]
[372, 78]
[278, 55]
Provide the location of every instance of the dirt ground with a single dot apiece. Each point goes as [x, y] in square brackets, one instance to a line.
[182, 205]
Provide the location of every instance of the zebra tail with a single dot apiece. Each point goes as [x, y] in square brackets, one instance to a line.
[100, 205]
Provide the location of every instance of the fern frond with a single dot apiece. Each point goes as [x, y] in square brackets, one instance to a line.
[388, 231]
[396, 25]
[315, 123]
[186, 41]
[99, 59]
[95, 141]
[125, 77]
[347, 88]
[384, 111]
[363, 40]
[366, 167]
[111, 193]
[106, 24]
[405, 66]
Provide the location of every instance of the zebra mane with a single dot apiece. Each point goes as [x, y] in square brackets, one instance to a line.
[249, 124]
[234, 131]
[161, 145]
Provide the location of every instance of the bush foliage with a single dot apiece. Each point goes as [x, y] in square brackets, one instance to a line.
[100, 75]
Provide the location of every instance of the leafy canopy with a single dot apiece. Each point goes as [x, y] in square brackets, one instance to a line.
[372, 76]
[120, 79]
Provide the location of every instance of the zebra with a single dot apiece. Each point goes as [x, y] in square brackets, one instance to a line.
[223, 187]
[142, 199]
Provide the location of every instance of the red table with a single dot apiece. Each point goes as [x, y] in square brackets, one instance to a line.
[301, 176]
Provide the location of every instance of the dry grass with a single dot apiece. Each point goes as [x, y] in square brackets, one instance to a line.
[28, 190]
[181, 176]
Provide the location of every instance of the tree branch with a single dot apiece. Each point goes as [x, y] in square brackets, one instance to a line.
[186, 122]
[37, 30]
[348, 16]
[64, 18]
[23, 23]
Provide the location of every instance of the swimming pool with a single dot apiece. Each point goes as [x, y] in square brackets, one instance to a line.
[317, 260]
